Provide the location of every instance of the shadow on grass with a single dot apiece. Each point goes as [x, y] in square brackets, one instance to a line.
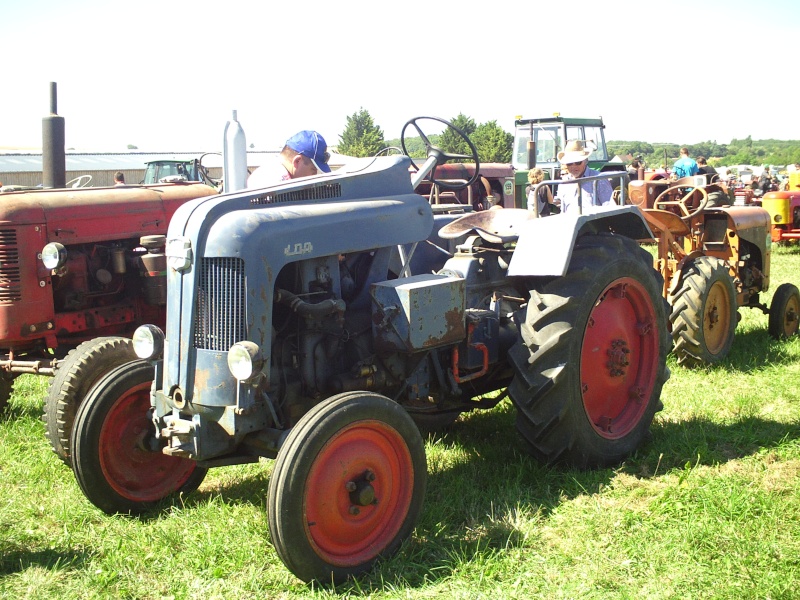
[15, 559]
[704, 442]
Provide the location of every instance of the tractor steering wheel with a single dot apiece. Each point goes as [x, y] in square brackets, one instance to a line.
[683, 203]
[442, 156]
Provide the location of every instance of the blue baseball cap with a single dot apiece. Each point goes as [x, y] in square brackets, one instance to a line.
[311, 145]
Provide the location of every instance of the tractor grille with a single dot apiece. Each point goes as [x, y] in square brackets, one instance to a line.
[10, 284]
[319, 192]
[220, 312]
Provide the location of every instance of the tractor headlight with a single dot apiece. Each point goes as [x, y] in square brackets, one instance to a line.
[179, 253]
[245, 360]
[54, 256]
[778, 218]
[148, 342]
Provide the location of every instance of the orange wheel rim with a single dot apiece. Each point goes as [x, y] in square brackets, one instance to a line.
[717, 318]
[358, 493]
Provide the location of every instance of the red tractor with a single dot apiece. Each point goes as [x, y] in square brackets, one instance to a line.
[53, 320]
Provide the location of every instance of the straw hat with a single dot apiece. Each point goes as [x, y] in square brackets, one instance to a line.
[573, 152]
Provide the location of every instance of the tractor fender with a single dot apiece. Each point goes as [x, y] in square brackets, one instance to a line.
[544, 247]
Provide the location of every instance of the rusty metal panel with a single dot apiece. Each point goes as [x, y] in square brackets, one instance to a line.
[418, 313]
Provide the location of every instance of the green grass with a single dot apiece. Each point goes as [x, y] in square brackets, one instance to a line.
[709, 508]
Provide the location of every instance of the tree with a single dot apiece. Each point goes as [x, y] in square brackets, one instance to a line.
[132, 147]
[361, 137]
[493, 143]
[453, 143]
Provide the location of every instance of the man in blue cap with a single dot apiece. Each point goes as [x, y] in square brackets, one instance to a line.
[304, 154]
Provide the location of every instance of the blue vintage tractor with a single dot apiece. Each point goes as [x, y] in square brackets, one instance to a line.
[322, 321]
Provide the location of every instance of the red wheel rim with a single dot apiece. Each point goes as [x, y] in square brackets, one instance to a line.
[345, 533]
[133, 471]
[619, 358]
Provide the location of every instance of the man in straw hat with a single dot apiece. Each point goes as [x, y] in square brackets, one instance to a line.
[575, 158]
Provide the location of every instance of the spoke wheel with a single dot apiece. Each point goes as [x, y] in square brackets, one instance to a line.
[703, 313]
[347, 487]
[75, 376]
[592, 362]
[116, 459]
[784, 312]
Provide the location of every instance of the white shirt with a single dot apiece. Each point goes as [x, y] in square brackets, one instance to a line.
[270, 173]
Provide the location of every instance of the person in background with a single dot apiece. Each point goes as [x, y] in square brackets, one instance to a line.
[304, 154]
[703, 168]
[765, 181]
[119, 178]
[685, 166]
[547, 205]
[633, 170]
[575, 157]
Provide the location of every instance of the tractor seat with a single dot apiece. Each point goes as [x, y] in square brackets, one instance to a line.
[498, 226]
[664, 220]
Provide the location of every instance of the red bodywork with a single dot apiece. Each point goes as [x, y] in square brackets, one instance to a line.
[102, 290]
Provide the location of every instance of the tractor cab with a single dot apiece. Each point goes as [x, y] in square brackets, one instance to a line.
[538, 141]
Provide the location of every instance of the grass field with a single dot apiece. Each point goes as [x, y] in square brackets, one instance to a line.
[709, 508]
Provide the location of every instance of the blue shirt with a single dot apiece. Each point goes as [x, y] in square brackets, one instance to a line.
[684, 167]
[568, 192]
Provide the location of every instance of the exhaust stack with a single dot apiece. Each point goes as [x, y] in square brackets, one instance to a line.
[54, 162]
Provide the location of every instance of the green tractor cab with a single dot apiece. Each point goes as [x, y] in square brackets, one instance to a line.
[177, 171]
[538, 141]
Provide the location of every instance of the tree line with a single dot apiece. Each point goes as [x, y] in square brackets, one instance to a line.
[362, 137]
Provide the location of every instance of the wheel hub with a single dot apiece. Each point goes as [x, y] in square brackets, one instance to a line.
[618, 358]
[362, 493]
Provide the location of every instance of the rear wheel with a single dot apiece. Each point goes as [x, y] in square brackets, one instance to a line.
[117, 462]
[703, 313]
[347, 487]
[592, 363]
[75, 376]
[784, 312]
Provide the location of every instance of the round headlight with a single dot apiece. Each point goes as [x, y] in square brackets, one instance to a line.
[148, 342]
[778, 218]
[244, 360]
[54, 255]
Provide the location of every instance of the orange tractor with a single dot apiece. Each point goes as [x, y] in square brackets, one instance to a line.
[715, 259]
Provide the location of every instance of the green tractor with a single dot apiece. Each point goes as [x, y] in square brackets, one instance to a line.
[538, 141]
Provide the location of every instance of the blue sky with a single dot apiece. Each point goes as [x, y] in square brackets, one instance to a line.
[166, 76]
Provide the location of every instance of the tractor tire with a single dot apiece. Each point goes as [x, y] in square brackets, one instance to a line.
[117, 462]
[703, 313]
[74, 377]
[347, 487]
[784, 312]
[592, 361]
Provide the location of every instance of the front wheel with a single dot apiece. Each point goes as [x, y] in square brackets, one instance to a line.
[703, 313]
[74, 377]
[347, 487]
[117, 462]
[592, 362]
[784, 312]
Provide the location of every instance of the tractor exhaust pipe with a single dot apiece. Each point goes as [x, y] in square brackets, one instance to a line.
[54, 162]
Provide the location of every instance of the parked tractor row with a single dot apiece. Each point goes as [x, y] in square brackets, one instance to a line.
[321, 322]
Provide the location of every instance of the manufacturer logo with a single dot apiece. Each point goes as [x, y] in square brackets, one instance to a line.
[298, 249]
